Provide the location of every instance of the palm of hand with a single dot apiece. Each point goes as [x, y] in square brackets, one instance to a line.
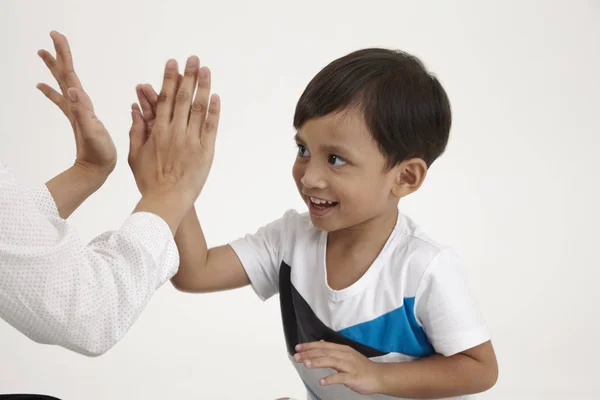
[94, 146]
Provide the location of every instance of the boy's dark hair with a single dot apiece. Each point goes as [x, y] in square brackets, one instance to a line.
[405, 107]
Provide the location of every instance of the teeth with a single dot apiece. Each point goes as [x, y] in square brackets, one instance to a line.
[316, 200]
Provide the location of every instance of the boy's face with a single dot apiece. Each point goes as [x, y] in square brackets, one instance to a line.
[340, 172]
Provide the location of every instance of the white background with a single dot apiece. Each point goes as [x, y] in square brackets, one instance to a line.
[516, 193]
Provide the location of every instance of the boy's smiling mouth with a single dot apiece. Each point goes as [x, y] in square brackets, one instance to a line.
[319, 207]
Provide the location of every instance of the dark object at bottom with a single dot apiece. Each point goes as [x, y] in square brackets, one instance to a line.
[26, 397]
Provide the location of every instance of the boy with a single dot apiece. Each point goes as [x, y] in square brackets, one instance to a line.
[371, 307]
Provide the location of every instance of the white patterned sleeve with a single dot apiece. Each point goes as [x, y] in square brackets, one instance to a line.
[43, 200]
[56, 289]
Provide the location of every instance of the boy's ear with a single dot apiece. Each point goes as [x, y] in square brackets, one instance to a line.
[409, 176]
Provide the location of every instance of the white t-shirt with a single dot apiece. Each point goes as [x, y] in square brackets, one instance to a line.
[412, 302]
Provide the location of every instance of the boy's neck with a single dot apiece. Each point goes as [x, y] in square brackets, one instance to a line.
[373, 232]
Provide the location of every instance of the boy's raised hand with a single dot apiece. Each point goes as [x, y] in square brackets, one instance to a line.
[96, 151]
[172, 143]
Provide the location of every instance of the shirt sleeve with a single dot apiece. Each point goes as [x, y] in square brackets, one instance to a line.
[43, 201]
[446, 308]
[56, 289]
[261, 255]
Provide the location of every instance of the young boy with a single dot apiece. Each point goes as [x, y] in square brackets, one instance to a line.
[371, 306]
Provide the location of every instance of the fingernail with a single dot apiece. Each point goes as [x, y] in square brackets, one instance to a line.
[204, 72]
[297, 347]
[307, 363]
[172, 64]
[191, 61]
[72, 94]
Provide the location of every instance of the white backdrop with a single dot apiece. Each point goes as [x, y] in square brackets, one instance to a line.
[515, 193]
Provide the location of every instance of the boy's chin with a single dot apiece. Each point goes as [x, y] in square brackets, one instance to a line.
[326, 224]
[320, 223]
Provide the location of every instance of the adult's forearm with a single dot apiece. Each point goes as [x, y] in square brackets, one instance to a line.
[73, 186]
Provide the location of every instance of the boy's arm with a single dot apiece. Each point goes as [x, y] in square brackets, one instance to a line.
[202, 269]
[472, 371]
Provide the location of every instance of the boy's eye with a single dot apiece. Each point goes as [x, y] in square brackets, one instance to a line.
[302, 151]
[336, 161]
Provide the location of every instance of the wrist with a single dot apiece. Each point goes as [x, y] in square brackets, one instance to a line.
[387, 377]
[170, 206]
[94, 176]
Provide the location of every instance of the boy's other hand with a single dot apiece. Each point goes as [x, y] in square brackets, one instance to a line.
[96, 153]
[354, 370]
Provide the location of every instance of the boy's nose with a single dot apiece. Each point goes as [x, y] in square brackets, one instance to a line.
[311, 180]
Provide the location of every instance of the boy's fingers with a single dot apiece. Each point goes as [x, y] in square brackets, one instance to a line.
[321, 345]
[328, 362]
[339, 378]
[320, 353]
